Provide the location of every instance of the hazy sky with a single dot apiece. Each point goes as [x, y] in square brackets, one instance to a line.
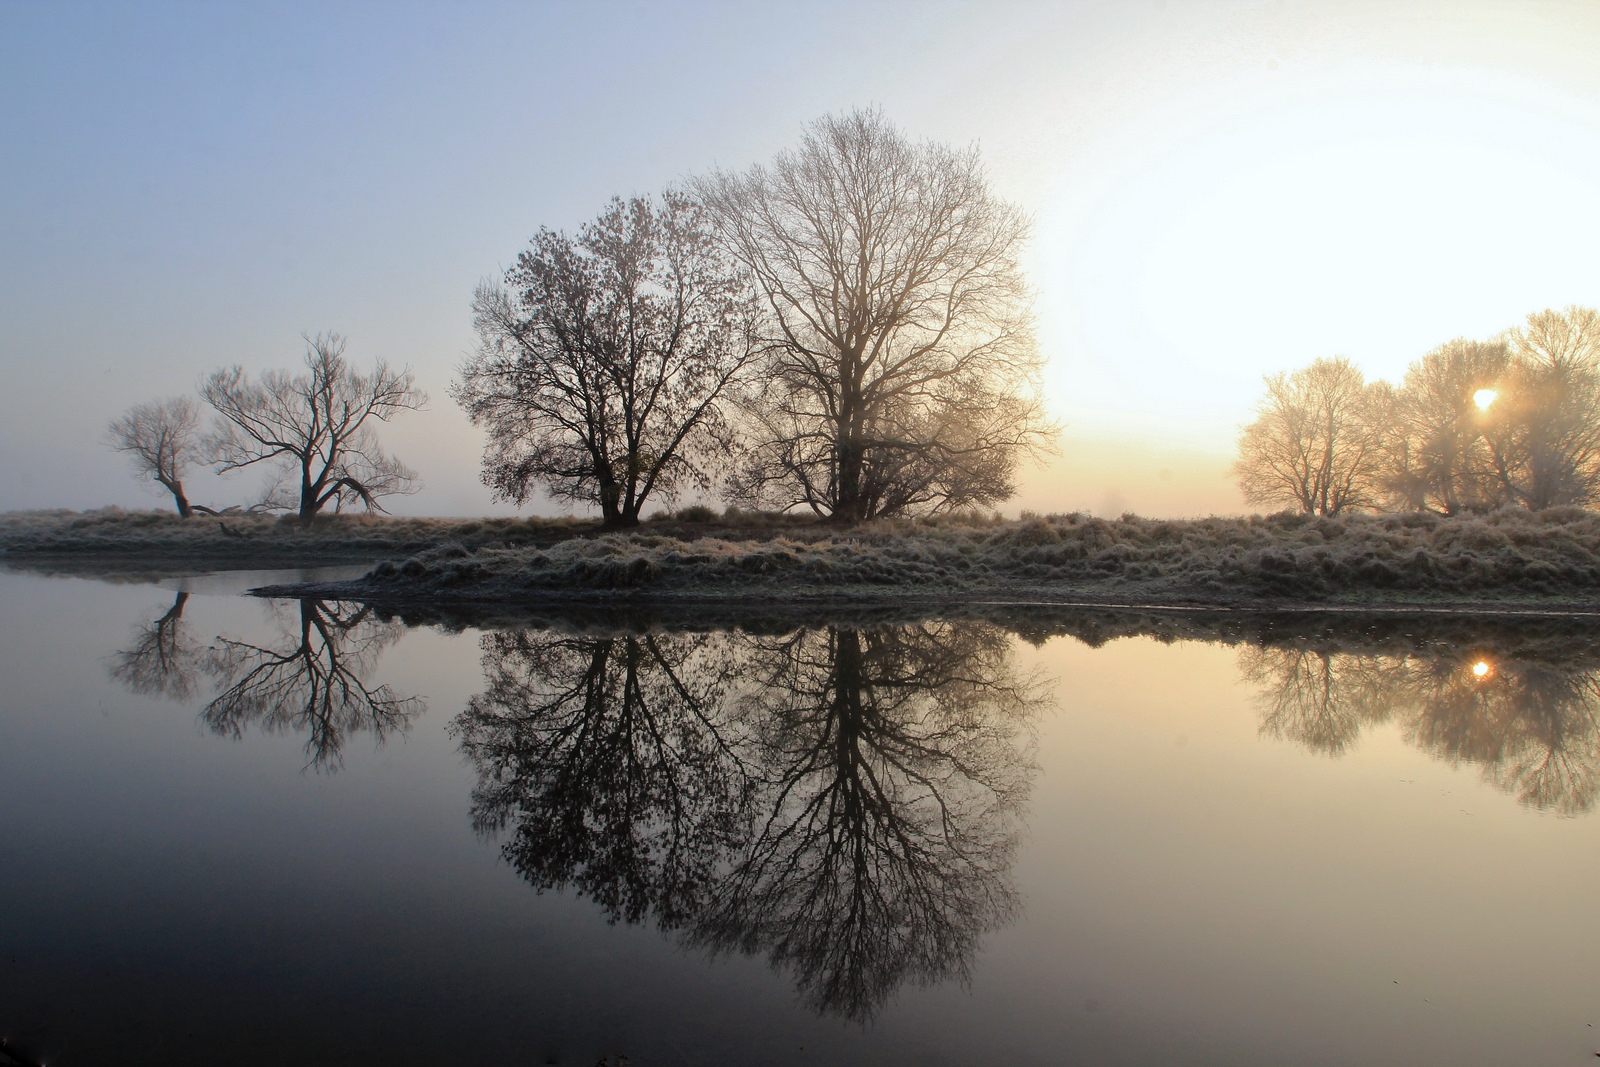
[1219, 191]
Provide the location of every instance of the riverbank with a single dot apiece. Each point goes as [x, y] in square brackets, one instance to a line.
[1549, 559]
[1508, 558]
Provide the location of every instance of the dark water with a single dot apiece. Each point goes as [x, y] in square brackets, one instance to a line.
[250, 832]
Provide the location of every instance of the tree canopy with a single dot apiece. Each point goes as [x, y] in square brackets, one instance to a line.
[162, 440]
[607, 360]
[902, 369]
[315, 428]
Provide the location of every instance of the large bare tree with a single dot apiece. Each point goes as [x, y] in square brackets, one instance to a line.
[606, 360]
[903, 369]
[162, 439]
[1545, 434]
[1314, 441]
[317, 427]
[1443, 427]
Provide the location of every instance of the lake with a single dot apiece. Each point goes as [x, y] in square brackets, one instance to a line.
[245, 831]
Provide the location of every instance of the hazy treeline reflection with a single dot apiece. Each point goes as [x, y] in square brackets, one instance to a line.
[844, 801]
[1532, 722]
[312, 679]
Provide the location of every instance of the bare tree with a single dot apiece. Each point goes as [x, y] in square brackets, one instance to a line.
[162, 440]
[1313, 443]
[1444, 427]
[316, 427]
[606, 359]
[1544, 433]
[903, 369]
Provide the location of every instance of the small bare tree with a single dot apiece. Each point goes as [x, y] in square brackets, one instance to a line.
[317, 427]
[162, 440]
[903, 370]
[606, 360]
[1313, 444]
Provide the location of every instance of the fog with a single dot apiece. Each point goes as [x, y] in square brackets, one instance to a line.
[1218, 192]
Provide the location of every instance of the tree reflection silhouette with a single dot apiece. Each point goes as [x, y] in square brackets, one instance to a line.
[163, 659]
[1531, 721]
[894, 780]
[312, 681]
[612, 761]
[845, 802]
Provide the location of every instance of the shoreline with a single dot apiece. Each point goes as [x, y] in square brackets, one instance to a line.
[1503, 563]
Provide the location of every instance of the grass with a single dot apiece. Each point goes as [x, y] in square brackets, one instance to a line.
[1510, 555]
[1507, 556]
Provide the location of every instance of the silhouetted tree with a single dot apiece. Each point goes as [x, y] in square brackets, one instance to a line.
[161, 438]
[606, 360]
[163, 660]
[316, 428]
[902, 365]
[313, 681]
[1314, 443]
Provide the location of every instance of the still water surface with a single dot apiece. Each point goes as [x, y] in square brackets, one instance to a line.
[301, 832]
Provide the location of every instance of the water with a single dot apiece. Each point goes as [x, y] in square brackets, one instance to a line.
[240, 831]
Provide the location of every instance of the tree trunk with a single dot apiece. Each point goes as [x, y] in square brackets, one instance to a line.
[847, 504]
[611, 504]
[308, 491]
[175, 487]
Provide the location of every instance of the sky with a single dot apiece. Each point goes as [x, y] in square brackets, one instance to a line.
[1219, 191]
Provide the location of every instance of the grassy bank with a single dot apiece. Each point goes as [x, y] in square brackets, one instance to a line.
[1549, 556]
[1512, 556]
[164, 540]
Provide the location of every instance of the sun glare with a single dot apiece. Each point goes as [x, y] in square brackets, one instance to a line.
[1480, 669]
[1483, 398]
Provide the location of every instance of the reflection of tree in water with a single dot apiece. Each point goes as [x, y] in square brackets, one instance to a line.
[163, 659]
[1531, 720]
[612, 761]
[842, 801]
[312, 679]
[893, 785]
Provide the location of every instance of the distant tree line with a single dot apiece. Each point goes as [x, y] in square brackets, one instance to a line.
[314, 432]
[1475, 425]
[845, 331]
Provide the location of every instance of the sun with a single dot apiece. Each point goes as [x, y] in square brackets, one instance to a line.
[1480, 669]
[1483, 398]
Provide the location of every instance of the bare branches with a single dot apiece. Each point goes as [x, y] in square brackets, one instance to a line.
[606, 360]
[317, 428]
[1314, 442]
[899, 323]
[313, 681]
[1475, 425]
[160, 437]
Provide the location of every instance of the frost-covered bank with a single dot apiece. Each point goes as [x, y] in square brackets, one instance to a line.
[1553, 554]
